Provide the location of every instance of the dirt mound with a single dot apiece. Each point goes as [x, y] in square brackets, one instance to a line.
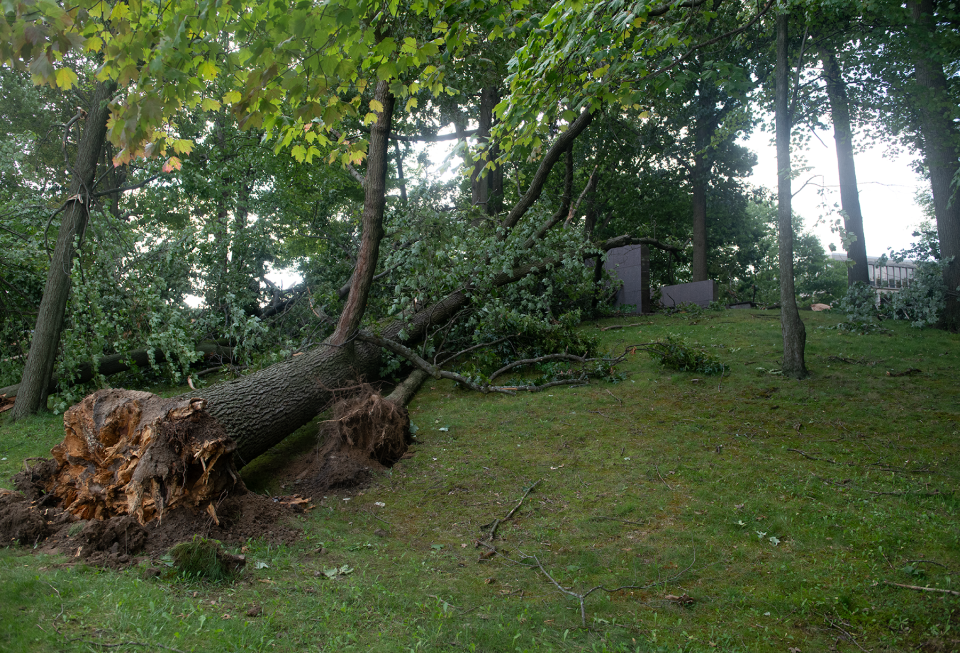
[238, 518]
[367, 434]
[20, 521]
[115, 542]
[32, 481]
[116, 535]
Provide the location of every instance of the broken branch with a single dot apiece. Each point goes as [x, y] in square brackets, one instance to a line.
[496, 522]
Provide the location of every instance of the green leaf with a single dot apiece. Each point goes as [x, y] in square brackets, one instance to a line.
[387, 71]
[66, 79]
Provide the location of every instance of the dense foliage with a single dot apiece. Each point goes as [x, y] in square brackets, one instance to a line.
[216, 181]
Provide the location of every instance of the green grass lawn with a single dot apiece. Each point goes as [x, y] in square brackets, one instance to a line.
[778, 510]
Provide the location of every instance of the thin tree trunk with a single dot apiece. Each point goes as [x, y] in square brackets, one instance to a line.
[699, 220]
[34, 384]
[374, 201]
[849, 192]
[701, 171]
[487, 188]
[941, 148]
[794, 333]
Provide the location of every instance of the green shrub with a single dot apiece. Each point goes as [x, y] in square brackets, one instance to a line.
[860, 305]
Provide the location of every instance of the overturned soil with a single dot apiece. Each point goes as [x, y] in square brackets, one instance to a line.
[118, 541]
[137, 473]
[92, 503]
[366, 434]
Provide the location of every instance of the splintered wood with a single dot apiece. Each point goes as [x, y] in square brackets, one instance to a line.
[128, 452]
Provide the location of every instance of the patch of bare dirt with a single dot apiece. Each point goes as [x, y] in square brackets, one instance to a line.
[20, 521]
[118, 541]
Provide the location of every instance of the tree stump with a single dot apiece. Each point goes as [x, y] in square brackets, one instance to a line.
[133, 453]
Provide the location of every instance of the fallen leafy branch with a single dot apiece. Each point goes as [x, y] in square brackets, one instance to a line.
[436, 372]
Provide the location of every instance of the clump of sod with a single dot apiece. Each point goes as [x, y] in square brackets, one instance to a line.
[203, 558]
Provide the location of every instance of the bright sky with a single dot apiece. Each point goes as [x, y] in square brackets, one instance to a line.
[887, 187]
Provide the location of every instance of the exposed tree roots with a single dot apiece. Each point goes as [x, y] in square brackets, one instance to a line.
[367, 433]
[134, 453]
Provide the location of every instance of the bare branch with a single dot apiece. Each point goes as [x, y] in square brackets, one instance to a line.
[123, 189]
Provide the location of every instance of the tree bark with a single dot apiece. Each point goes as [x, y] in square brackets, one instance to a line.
[699, 220]
[941, 148]
[702, 164]
[487, 189]
[374, 201]
[794, 333]
[849, 192]
[34, 384]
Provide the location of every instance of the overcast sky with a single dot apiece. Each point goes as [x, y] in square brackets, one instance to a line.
[887, 187]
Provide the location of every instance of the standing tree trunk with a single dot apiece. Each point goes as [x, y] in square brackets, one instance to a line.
[32, 395]
[941, 149]
[699, 183]
[487, 188]
[849, 192]
[702, 164]
[794, 333]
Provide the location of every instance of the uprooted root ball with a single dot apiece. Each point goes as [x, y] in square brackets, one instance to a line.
[367, 433]
[127, 452]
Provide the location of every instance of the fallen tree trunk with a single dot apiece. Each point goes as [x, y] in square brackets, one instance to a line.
[116, 363]
[259, 410]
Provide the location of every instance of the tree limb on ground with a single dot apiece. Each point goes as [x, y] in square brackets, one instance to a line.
[116, 363]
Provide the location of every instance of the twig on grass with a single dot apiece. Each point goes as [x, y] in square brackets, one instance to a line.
[879, 465]
[370, 512]
[846, 634]
[57, 618]
[929, 562]
[614, 327]
[582, 596]
[657, 467]
[850, 485]
[496, 522]
[127, 643]
[922, 589]
[619, 400]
